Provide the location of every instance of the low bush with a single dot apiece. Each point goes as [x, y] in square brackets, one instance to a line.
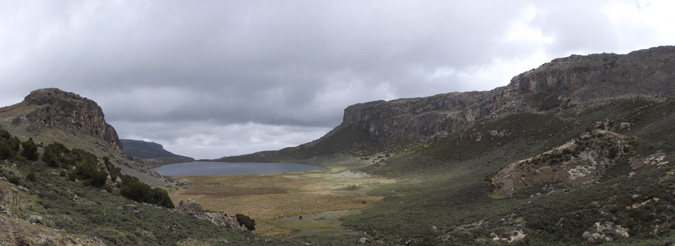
[246, 221]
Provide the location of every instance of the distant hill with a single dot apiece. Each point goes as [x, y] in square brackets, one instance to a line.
[149, 150]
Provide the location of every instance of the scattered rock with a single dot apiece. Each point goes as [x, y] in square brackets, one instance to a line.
[47, 241]
[36, 219]
[434, 229]
[364, 240]
[3, 211]
[171, 228]
[24, 189]
[514, 236]
[605, 232]
[133, 209]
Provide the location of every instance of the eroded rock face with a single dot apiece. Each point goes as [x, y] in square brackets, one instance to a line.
[70, 112]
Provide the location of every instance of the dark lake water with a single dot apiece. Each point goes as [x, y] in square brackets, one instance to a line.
[231, 168]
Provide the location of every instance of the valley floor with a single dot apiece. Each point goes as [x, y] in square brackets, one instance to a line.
[276, 201]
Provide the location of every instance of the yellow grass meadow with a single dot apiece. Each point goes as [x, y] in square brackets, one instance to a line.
[267, 198]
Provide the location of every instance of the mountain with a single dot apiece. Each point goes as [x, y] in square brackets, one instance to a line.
[562, 87]
[575, 152]
[150, 150]
[52, 115]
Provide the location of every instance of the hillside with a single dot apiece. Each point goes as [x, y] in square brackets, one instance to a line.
[150, 150]
[64, 180]
[577, 151]
[53, 115]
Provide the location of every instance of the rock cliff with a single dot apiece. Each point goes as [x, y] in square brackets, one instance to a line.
[68, 111]
[565, 85]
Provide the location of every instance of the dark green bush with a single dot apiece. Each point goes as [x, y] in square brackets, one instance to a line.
[140, 192]
[30, 150]
[31, 177]
[246, 221]
[14, 180]
[54, 154]
[8, 146]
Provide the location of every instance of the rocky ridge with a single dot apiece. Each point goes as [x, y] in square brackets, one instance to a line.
[562, 86]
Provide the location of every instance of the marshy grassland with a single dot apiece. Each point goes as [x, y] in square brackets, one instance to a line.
[276, 201]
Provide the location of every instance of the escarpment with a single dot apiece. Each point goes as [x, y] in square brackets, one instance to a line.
[562, 86]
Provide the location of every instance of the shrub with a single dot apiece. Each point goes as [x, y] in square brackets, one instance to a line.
[351, 187]
[29, 150]
[246, 221]
[54, 154]
[140, 192]
[8, 146]
[31, 177]
[13, 180]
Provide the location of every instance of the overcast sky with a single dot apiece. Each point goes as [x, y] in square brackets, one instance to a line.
[216, 78]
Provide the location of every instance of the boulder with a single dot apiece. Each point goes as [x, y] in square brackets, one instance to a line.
[36, 219]
[133, 209]
[192, 208]
[47, 241]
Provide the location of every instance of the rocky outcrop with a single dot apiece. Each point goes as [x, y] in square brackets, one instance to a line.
[561, 86]
[53, 115]
[71, 112]
[578, 162]
[192, 208]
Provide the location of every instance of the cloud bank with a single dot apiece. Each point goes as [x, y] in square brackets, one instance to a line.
[215, 78]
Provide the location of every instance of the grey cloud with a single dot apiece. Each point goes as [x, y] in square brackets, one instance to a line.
[274, 63]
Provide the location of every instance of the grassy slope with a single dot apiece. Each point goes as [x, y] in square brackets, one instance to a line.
[446, 186]
[97, 213]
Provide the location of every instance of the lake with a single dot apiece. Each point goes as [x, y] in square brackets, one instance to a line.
[231, 168]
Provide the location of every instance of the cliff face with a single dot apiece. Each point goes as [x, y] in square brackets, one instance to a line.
[562, 86]
[70, 112]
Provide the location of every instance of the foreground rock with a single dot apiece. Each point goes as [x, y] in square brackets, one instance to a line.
[192, 208]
